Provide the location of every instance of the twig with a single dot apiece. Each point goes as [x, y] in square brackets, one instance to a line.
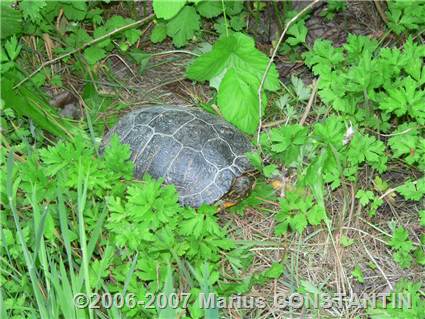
[175, 51]
[263, 79]
[85, 45]
[310, 101]
[380, 11]
[377, 266]
[274, 123]
[123, 62]
[365, 233]
[392, 190]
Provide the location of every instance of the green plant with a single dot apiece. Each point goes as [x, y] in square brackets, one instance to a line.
[234, 67]
[403, 246]
[412, 304]
[404, 16]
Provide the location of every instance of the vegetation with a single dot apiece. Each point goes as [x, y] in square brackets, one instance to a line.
[340, 159]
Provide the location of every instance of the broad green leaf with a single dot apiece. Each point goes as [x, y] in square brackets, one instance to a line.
[237, 52]
[27, 101]
[238, 100]
[238, 22]
[167, 9]
[74, 10]
[183, 26]
[10, 20]
[159, 33]
[94, 54]
[209, 9]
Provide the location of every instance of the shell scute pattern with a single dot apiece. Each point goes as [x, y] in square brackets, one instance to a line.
[169, 122]
[218, 152]
[196, 151]
[194, 134]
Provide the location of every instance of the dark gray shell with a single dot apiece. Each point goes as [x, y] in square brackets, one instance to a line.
[198, 152]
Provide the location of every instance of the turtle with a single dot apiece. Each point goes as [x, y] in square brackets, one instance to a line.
[200, 153]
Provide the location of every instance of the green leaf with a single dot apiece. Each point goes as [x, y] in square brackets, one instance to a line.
[408, 98]
[298, 32]
[237, 52]
[10, 20]
[94, 54]
[364, 197]
[141, 58]
[221, 27]
[238, 22]
[233, 7]
[159, 33]
[209, 9]
[422, 217]
[400, 239]
[275, 271]
[75, 10]
[406, 15]
[183, 26]
[323, 56]
[303, 92]
[413, 191]
[358, 274]
[28, 101]
[316, 215]
[260, 194]
[269, 170]
[406, 143]
[12, 48]
[346, 241]
[132, 35]
[368, 148]
[168, 311]
[288, 141]
[298, 222]
[167, 9]
[236, 96]
[31, 9]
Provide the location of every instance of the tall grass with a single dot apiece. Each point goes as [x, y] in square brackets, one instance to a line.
[56, 281]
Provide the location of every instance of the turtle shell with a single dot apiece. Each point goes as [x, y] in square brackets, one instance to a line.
[198, 152]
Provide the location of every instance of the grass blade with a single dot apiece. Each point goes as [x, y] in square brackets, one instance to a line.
[28, 260]
[81, 202]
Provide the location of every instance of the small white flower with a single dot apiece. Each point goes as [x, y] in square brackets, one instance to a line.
[348, 135]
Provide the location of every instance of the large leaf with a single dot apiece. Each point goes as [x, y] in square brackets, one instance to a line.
[209, 9]
[238, 100]
[237, 52]
[183, 26]
[26, 101]
[10, 20]
[167, 9]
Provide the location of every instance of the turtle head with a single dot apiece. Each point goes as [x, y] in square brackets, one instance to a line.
[241, 187]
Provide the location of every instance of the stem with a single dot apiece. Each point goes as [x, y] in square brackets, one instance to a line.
[225, 18]
[263, 79]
